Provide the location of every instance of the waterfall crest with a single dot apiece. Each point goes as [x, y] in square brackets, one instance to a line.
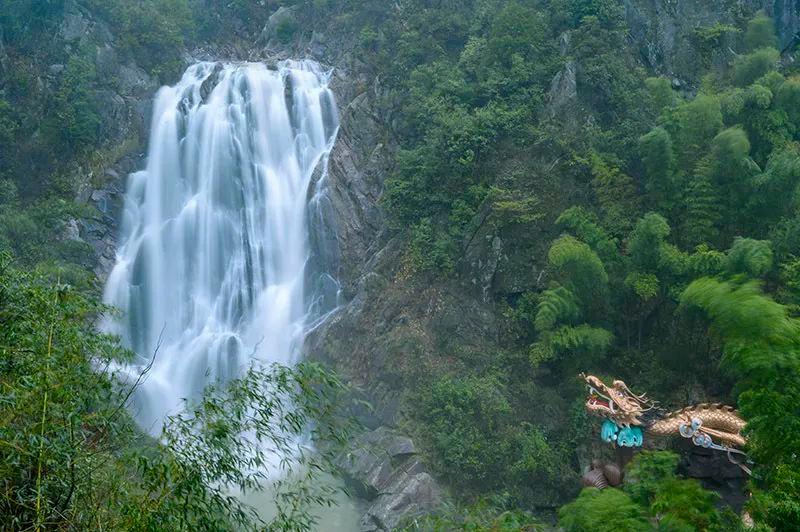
[215, 244]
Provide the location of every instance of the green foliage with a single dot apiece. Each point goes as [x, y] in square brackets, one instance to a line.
[647, 241]
[750, 67]
[225, 442]
[429, 251]
[75, 122]
[788, 100]
[661, 93]
[761, 345]
[592, 340]
[711, 38]
[556, 305]
[776, 192]
[151, 31]
[602, 511]
[760, 33]
[9, 126]
[678, 504]
[578, 267]
[748, 256]
[757, 331]
[516, 30]
[34, 236]
[659, 162]
[575, 11]
[646, 472]
[645, 285]
[778, 507]
[586, 227]
[21, 20]
[684, 503]
[286, 28]
[692, 125]
[514, 208]
[484, 516]
[702, 212]
[616, 195]
[478, 445]
[72, 458]
[466, 417]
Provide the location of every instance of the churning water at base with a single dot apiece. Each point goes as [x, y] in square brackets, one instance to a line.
[215, 241]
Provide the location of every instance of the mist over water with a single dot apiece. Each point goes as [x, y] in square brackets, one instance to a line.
[212, 266]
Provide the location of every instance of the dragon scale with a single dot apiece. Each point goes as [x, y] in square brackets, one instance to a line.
[628, 416]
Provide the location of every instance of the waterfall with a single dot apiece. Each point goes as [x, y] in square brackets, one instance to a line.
[212, 268]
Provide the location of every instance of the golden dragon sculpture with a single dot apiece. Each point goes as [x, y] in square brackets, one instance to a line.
[629, 416]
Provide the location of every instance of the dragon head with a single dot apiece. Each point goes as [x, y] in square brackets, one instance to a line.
[616, 402]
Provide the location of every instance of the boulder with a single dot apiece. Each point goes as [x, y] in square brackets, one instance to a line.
[563, 88]
[283, 15]
[74, 25]
[383, 468]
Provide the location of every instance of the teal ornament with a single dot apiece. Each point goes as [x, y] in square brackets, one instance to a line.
[630, 437]
[608, 431]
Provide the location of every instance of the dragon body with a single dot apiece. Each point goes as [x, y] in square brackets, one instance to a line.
[628, 417]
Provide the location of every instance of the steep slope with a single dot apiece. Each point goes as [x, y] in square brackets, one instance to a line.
[402, 327]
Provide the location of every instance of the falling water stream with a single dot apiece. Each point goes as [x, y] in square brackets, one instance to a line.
[212, 268]
[213, 272]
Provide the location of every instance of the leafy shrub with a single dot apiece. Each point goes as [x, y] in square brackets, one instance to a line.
[75, 123]
[750, 67]
[760, 33]
[685, 502]
[71, 458]
[485, 515]
[609, 510]
[465, 422]
[151, 31]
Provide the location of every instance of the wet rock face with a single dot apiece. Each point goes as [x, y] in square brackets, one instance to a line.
[383, 469]
[665, 31]
[359, 164]
[787, 20]
[123, 94]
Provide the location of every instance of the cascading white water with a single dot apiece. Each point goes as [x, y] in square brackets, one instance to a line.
[215, 243]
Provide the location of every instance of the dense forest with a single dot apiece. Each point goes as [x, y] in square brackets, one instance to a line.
[650, 220]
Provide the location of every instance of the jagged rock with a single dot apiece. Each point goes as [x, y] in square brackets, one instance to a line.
[135, 81]
[359, 164]
[715, 472]
[563, 89]
[282, 15]
[106, 61]
[75, 25]
[382, 468]
[564, 40]
[416, 496]
[71, 231]
[113, 113]
[661, 29]
[787, 20]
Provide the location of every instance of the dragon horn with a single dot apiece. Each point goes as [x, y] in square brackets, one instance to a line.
[640, 398]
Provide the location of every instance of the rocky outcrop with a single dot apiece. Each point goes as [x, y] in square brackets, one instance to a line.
[123, 94]
[715, 472]
[786, 14]
[668, 34]
[283, 17]
[384, 469]
[563, 89]
[359, 164]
